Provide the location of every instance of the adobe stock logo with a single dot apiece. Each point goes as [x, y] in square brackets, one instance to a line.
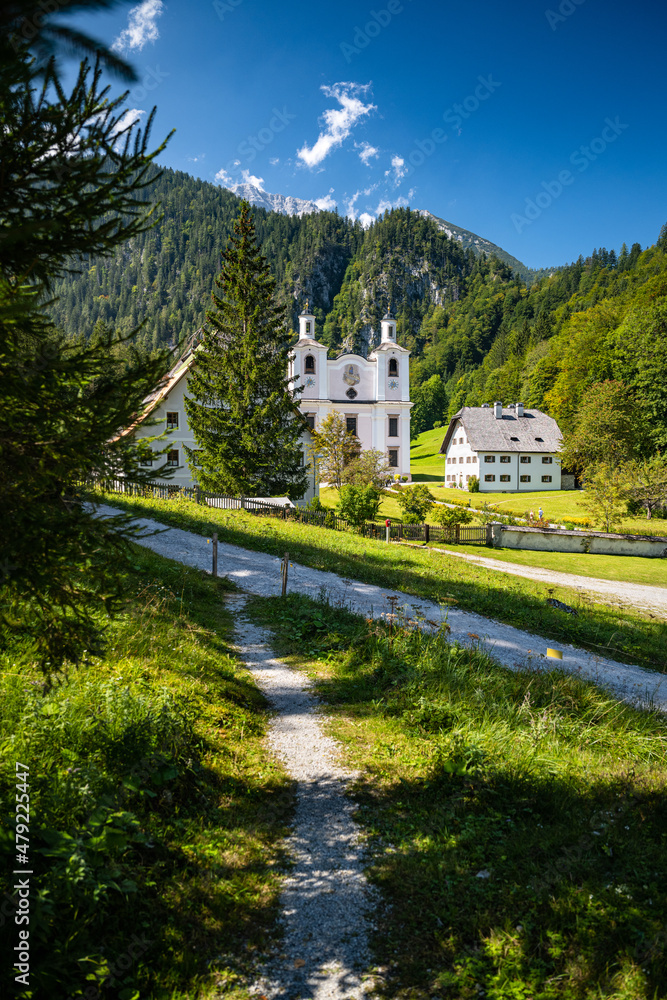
[581, 158]
[363, 35]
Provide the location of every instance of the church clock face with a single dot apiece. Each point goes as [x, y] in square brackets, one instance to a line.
[310, 382]
[393, 383]
[351, 375]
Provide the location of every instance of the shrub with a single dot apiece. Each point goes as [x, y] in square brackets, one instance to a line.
[448, 518]
[473, 485]
[415, 503]
[358, 504]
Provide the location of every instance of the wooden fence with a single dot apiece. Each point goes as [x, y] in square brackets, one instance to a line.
[458, 534]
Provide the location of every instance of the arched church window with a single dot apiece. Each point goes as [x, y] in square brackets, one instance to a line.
[393, 366]
[310, 364]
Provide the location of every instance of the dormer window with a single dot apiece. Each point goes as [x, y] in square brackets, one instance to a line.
[393, 366]
[309, 367]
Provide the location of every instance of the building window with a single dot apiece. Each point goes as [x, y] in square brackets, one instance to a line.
[172, 420]
[467, 478]
[489, 458]
[301, 458]
[172, 458]
[474, 459]
[195, 459]
[525, 479]
[308, 328]
[468, 460]
[310, 420]
[393, 458]
[309, 365]
[504, 479]
[393, 366]
[489, 479]
[526, 459]
[351, 393]
[505, 459]
[147, 461]
[539, 439]
[393, 427]
[351, 425]
[546, 479]
[547, 461]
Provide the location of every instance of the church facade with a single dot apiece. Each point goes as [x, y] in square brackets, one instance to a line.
[371, 394]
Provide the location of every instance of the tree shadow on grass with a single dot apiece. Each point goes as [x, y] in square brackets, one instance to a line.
[515, 821]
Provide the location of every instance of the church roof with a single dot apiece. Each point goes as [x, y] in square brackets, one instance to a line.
[533, 432]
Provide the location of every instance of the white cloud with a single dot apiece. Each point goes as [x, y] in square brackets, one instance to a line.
[223, 177]
[274, 161]
[328, 203]
[141, 27]
[367, 152]
[131, 116]
[385, 205]
[398, 169]
[365, 219]
[338, 122]
[249, 178]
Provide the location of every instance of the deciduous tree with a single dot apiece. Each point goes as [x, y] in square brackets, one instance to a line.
[336, 447]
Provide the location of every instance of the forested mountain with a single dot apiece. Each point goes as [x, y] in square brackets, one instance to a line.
[476, 330]
[164, 277]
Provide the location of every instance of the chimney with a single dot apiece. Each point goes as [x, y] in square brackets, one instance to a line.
[519, 409]
[498, 411]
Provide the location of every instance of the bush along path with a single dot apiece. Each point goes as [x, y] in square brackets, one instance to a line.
[325, 895]
[259, 573]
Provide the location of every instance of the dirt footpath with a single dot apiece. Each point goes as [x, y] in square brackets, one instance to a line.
[259, 573]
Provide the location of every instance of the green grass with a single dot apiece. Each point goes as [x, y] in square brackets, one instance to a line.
[620, 633]
[630, 569]
[542, 783]
[155, 808]
[425, 462]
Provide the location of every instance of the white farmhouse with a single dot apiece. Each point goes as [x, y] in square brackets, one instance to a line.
[166, 410]
[372, 394]
[509, 449]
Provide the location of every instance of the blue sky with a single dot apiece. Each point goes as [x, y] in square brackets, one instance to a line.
[538, 124]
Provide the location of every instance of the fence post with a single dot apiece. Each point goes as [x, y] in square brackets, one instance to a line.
[284, 566]
[215, 554]
[489, 535]
[457, 538]
[427, 533]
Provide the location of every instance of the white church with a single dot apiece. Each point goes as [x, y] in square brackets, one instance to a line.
[372, 394]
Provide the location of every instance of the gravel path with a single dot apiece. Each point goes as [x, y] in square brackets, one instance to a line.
[325, 896]
[259, 573]
[635, 595]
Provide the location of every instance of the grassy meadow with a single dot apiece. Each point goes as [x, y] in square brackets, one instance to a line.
[156, 812]
[619, 633]
[515, 823]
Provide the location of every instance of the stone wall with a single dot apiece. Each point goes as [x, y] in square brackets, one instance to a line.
[560, 540]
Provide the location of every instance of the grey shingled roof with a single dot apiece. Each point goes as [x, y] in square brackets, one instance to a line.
[485, 432]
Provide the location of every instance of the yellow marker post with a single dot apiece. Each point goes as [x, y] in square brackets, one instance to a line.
[555, 653]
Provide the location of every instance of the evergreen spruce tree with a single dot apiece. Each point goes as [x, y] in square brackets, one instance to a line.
[244, 417]
[72, 174]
